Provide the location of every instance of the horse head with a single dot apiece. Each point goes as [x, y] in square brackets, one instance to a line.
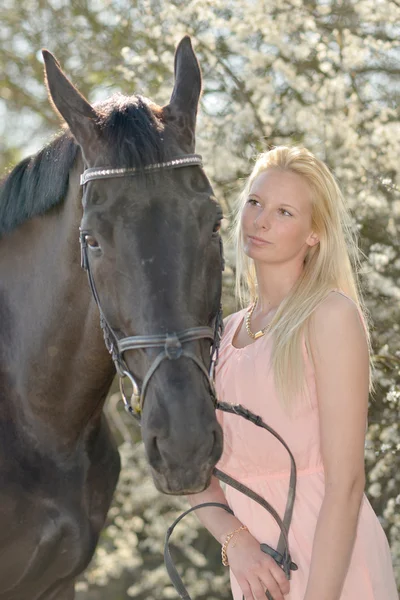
[150, 239]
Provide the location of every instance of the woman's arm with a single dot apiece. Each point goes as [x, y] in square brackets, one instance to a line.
[218, 522]
[254, 570]
[341, 360]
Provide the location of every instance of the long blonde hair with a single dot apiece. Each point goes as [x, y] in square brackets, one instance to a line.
[331, 264]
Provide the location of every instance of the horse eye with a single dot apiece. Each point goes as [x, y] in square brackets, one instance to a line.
[217, 227]
[91, 242]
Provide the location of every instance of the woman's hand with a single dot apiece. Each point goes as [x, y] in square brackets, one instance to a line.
[255, 571]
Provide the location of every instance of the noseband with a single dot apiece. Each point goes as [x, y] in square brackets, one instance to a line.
[171, 344]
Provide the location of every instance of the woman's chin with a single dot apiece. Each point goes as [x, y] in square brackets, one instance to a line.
[256, 252]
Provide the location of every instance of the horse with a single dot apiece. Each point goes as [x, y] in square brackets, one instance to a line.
[122, 178]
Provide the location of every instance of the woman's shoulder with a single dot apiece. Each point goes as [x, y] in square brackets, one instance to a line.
[338, 315]
[337, 302]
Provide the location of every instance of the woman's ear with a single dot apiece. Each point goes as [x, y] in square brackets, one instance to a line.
[312, 239]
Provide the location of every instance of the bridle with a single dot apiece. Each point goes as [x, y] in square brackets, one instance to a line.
[171, 344]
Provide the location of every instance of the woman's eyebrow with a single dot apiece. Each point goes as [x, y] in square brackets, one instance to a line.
[290, 206]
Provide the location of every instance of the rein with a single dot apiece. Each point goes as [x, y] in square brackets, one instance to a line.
[281, 555]
[171, 344]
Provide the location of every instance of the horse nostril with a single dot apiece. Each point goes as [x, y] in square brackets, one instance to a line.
[154, 454]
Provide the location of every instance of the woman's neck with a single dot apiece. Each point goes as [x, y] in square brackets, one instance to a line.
[274, 283]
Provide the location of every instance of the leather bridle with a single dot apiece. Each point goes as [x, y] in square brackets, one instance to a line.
[171, 344]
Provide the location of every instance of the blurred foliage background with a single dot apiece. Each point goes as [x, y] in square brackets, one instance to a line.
[322, 73]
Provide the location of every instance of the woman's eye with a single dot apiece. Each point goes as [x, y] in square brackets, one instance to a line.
[285, 212]
[92, 242]
[252, 201]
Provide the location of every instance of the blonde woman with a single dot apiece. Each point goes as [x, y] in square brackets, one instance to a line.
[298, 356]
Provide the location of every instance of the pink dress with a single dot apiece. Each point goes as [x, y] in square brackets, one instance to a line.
[258, 460]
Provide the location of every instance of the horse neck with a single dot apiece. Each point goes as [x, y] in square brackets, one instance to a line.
[57, 368]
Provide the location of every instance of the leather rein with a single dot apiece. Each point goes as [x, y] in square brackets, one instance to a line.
[281, 555]
[171, 344]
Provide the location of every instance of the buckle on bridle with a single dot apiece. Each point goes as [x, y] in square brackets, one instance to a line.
[172, 347]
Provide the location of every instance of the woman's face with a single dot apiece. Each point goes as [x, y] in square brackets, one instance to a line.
[277, 217]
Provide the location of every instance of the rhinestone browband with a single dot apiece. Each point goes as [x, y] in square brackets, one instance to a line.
[104, 172]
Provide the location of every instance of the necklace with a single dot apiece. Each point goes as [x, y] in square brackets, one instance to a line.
[258, 334]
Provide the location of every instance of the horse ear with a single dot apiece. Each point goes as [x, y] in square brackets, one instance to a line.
[182, 107]
[80, 116]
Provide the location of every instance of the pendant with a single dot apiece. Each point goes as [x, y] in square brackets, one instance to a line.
[258, 334]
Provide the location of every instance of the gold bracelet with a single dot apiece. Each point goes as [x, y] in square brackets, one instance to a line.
[228, 538]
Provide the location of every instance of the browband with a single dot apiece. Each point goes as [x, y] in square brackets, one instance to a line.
[105, 172]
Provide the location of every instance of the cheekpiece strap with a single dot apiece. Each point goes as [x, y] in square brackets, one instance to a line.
[106, 173]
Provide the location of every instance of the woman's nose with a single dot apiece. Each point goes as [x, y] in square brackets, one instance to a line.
[263, 220]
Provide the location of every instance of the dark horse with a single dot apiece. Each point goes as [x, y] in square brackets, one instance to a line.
[152, 244]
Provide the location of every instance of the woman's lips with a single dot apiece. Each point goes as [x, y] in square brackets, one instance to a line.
[258, 241]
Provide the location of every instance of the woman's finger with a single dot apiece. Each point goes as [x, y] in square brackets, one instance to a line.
[246, 589]
[257, 588]
[270, 584]
[278, 576]
[281, 579]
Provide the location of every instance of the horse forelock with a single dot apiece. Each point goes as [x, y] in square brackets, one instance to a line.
[132, 130]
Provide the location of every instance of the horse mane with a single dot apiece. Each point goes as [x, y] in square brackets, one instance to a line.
[37, 183]
[131, 129]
